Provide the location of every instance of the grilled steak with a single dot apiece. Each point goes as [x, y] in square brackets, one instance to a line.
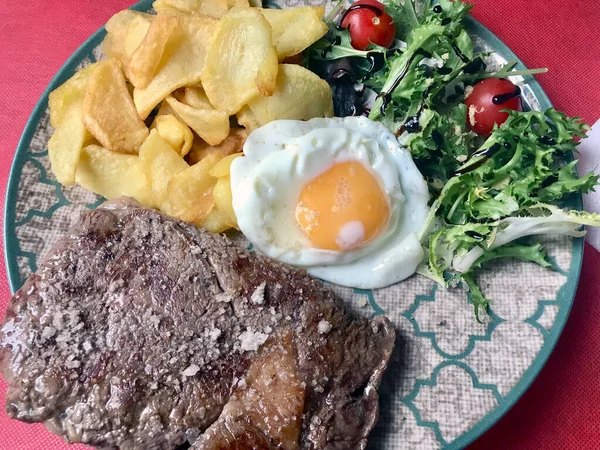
[142, 332]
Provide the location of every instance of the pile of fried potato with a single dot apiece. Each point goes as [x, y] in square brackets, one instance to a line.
[162, 118]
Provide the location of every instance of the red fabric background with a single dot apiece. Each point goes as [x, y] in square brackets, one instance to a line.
[560, 410]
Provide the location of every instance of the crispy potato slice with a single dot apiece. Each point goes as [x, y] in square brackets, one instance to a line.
[295, 29]
[147, 56]
[70, 135]
[212, 8]
[223, 200]
[217, 221]
[247, 119]
[176, 133]
[194, 97]
[125, 32]
[190, 192]
[232, 144]
[241, 62]
[66, 144]
[300, 95]
[112, 174]
[182, 62]
[238, 4]
[109, 113]
[221, 169]
[160, 163]
[72, 91]
[210, 124]
[164, 109]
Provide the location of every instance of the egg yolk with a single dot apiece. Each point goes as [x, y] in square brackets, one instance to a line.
[343, 208]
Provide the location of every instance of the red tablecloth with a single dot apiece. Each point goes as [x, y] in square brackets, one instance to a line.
[561, 409]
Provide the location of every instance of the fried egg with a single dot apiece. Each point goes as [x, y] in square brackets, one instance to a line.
[337, 196]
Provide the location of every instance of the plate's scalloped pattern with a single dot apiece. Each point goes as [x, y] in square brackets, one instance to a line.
[450, 377]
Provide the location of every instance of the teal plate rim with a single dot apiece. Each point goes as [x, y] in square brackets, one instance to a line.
[565, 295]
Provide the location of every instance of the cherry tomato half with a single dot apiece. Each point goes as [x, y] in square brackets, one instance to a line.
[368, 24]
[486, 101]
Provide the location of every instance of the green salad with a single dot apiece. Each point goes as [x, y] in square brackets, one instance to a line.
[496, 172]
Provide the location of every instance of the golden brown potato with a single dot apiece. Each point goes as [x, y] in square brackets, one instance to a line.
[295, 29]
[300, 95]
[70, 135]
[238, 4]
[217, 221]
[125, 32]
[211, 125]
[247, 119]
[72, 91]
[160, 163]
[221, 169]
[144, 61]
[241, 62]
[194, 97]
[109, 113]
[233, 143]
[212, 8]
[112, 174]
[182, 62]
[66, 144]
[223, 200]
[176, 133]
[190, 192]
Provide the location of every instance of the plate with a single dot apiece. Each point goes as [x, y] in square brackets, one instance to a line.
[451, 378]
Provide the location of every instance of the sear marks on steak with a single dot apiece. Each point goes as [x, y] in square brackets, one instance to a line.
[142, 332]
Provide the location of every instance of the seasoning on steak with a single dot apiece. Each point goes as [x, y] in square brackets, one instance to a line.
[142, 332]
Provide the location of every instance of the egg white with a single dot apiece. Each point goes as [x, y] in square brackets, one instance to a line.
[283, 156]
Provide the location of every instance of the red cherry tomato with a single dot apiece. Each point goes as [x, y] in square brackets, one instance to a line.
[486, 101]
[368, 24]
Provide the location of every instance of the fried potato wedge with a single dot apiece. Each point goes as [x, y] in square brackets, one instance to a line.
[112, 174]
[241, 62]
[71, 92]
[160, 163]
[182, 62]
[190, 192]
[295, 29]
[66, 144]
[238, 4]
[217, 221]
[176, 133]
[109, 113]
[224, 200]
[125, 32]
[233, 143]
[212, 8]
[194, 97]
[300, 95]
[210, 124]
[145, 59]
[221, 169]
[247, 119]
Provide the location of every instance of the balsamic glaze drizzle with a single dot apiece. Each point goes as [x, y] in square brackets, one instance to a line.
[500, 99]
[460, 54]
[387, 96]
[547, 140]
[486, 153]
[474, 66]
[474, 235]
[336, 41]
